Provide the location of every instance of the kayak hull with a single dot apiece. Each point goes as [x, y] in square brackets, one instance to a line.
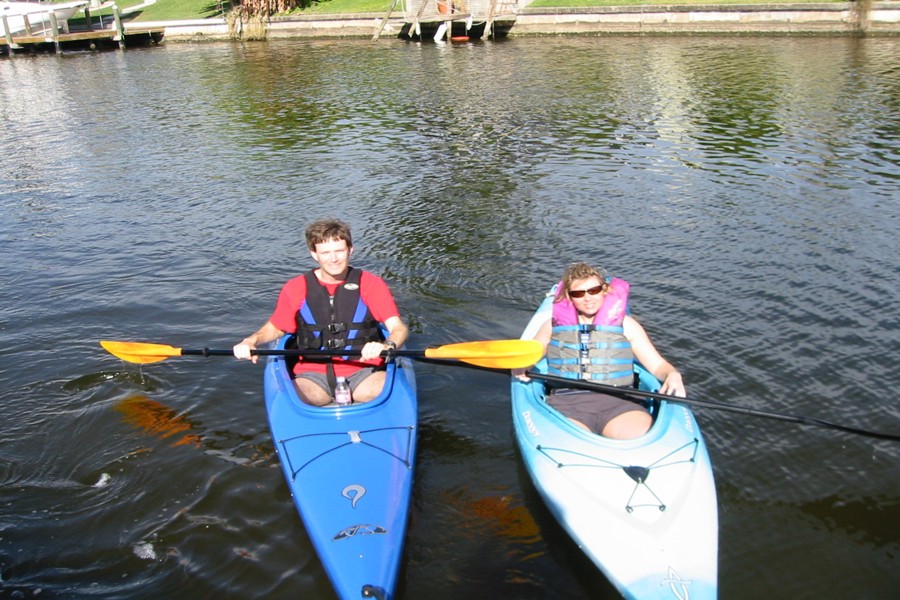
[350, 473]
[643, 510]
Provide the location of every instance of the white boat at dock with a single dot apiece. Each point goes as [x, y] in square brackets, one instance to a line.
[36, 13]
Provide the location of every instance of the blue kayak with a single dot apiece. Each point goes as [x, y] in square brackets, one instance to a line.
[350, 472]
[644, 510]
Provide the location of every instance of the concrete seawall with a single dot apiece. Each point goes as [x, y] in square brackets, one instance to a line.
[844, 18]
[837, 18]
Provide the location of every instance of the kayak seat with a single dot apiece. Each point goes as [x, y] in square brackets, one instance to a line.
[291, 361]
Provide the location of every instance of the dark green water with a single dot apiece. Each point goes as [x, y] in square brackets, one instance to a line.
[747, 187]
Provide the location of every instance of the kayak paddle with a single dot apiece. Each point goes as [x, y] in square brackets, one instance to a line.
[494, 354]
[609, 389]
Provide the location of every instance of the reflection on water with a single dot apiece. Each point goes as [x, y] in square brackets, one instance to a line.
[745, 187]
[514, 523]
[158, 420]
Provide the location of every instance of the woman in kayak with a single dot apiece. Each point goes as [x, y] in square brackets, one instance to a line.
[590, 336]
[334, 307]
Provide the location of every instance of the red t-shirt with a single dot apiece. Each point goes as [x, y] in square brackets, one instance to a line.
[374, 293]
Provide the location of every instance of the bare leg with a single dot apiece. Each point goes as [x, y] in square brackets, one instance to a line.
[630, 425]
[370, 387]
[311, 393]
[580, 424]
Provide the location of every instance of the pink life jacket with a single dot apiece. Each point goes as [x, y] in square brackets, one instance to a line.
[598, 351]
[612, 311]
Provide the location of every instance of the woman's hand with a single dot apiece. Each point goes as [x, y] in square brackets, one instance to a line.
[520, 374]
[673, 385]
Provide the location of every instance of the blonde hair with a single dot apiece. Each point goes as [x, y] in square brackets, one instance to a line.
[577, 272]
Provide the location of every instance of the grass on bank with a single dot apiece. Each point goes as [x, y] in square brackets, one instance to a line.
[170, 10]
[165, 10]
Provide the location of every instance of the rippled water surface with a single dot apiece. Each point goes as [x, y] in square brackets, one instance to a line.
[747, 187]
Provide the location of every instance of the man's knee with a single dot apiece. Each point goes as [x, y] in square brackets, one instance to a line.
[311, 393]
[370, 387]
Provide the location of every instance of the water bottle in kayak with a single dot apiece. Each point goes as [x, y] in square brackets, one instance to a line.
[342, 392]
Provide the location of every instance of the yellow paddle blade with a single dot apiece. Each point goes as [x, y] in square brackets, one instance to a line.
[494, 354]
[138, 352]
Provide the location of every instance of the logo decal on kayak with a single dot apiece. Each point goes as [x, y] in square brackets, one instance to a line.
[532, 428]
[355, 530]
[353, 493]
[677, 585]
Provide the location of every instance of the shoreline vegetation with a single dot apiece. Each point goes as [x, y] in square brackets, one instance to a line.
[173, 10]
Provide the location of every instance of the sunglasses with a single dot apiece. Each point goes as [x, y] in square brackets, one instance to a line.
[592, 291]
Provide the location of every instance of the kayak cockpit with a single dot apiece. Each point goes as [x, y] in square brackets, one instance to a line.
[643, 379]
[290, 362]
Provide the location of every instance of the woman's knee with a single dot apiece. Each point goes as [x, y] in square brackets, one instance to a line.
[629, 425]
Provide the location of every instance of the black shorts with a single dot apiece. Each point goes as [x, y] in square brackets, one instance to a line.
[321, 379]
[591, 408]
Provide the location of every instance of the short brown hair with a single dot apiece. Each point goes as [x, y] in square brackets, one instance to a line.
[326, 231]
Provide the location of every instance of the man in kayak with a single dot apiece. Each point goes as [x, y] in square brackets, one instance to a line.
[590, 336]
[334, 307]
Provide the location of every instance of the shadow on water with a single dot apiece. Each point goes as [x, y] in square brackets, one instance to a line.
[127, 377]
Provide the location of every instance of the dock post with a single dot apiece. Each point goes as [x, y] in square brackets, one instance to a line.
[120, 32]
[9, 41]
[489, 23]
[385, 20]
[87, 18]
[54, 32]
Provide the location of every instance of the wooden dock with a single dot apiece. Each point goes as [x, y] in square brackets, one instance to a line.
[453, 20]
[94, 32]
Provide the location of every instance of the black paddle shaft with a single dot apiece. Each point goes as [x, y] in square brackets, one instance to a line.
[609, 389]
[290, 352]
